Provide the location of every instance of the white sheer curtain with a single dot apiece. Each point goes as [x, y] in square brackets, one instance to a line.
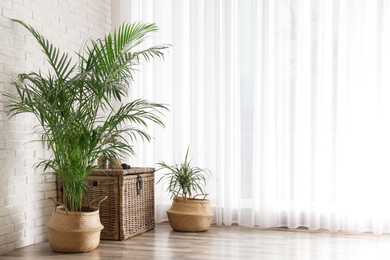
[287, 102]
[199, 79]
[321, 115]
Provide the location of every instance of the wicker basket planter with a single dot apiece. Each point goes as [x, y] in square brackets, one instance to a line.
[73, 232]
[129, 208]
[190, 215]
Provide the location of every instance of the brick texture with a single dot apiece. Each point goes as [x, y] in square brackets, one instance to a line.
[24, 208]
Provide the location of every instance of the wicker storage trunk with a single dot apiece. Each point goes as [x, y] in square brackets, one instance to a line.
[129, 208]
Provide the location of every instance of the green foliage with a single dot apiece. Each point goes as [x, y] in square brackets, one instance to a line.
[68, 101]
[185, 179]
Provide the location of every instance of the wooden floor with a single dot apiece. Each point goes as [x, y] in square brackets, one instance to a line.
[227, 243]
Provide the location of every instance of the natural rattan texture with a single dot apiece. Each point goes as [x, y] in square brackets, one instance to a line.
[101, 186]
[124, 213]
[190, 215]
[74, 231]
[137, 210]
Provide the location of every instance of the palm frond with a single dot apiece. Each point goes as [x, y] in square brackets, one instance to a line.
[113, 59]
[60, 63]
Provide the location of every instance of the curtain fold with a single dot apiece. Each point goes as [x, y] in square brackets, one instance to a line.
[286, 101]
[199, 79]
[319, 141]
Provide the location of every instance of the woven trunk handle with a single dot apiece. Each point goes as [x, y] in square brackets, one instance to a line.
[90, 204]
[58, 203]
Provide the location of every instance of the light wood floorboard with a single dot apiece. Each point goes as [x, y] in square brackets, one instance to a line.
[224, 242]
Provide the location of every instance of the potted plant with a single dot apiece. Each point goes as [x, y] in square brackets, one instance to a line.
[185, 182]
[69, 103]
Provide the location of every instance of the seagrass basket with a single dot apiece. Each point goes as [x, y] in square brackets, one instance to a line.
[190, 215]
[74, 232]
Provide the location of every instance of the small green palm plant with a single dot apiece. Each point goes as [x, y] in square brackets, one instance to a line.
[70, 99]
[184, 179]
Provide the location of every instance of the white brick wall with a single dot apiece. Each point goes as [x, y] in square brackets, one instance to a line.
[24, 208]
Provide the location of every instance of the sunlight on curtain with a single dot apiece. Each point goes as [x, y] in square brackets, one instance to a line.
[321, 140]
[286, 101]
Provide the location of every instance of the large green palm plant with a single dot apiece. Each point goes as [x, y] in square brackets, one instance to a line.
[69, 100]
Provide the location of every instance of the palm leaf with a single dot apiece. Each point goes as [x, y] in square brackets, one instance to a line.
[60, 63]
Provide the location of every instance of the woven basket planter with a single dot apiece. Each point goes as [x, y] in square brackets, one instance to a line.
[190, 215]
[73, 232]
